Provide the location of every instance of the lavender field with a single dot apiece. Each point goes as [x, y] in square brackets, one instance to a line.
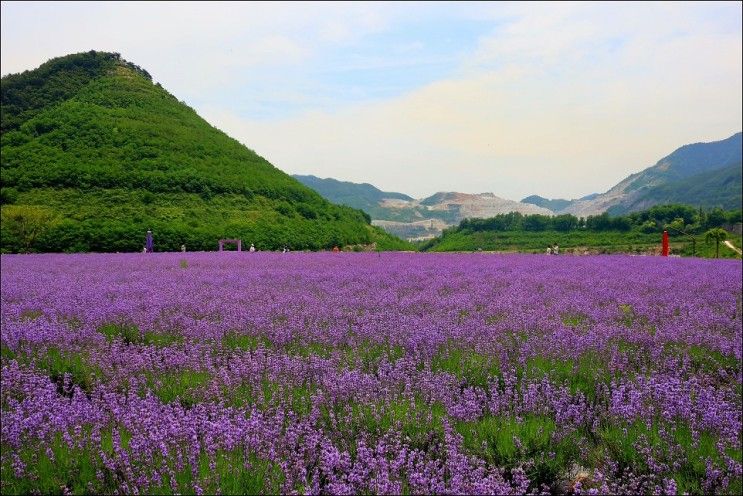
[370, 373]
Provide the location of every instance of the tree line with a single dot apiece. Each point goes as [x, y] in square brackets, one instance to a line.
[679, 218]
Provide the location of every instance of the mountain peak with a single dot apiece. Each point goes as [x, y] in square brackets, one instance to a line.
[111, 154]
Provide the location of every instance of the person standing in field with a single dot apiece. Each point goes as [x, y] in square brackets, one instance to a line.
[252, 248]
[549, 250]
[555, 250]
[149, 242]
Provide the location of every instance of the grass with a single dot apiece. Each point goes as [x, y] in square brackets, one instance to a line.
[474, 369]
[367, 355]
[233, 473]
[6, 353]
[599, 242]
[507, 442]
[181, 385]
[419, 422]
[574, 319]
[495, 438]
[74, 469]
[131, 334]
[707, 250]
[74, 365]
[622, 443]
[244, 342]
[536, 242]
[580, 376]
[265, 394]
[705, 359]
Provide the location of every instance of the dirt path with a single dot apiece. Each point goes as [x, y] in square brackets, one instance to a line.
[730, 245]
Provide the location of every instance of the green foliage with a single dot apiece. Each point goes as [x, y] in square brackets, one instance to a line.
[244, 342]
[473, 368]
[360, 196]
[580, 375]
[717, 235]
[25, 95]
[62, 366]
[130, 334]
[622, 442]
[74, 470]
[179, 385]
[112, 155]
[701, 174]
[416, 419]
[553, 205]
[719, 188]
[23, 225]
[8, 196]
[634, 233]
[494, 438]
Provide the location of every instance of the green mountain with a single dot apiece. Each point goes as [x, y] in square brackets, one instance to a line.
[92, 154]
[554, 205]
[362, 196]
[721, 188]
[700, 174]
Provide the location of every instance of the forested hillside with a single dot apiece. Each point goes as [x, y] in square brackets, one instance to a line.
[94, 154]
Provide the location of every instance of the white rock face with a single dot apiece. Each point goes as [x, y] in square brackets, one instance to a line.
[455, 206]
[601, 203]
[485, 205]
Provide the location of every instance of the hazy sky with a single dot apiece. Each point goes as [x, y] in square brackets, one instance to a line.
[555, 99]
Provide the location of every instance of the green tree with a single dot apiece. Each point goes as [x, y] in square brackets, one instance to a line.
[677, 224]
[648, 227]
[716, 234]
[565, 222]
[26, 223]
[536, 222]
[715, 218]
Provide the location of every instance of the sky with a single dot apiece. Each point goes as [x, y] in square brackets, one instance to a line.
[556, 99]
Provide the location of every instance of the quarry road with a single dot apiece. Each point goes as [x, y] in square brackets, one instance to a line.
[730, 245]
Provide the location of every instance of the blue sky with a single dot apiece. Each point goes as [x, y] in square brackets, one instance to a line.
[557, 99]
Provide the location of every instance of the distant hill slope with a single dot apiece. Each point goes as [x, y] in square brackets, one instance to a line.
[553, 205]
[716, 188]
[701, 174]
[362, 196]
[462, 206]
[91, 141]
[406, 217]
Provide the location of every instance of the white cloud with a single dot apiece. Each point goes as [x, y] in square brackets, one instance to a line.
[563, 101]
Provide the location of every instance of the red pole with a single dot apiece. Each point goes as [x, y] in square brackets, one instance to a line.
[665, 243]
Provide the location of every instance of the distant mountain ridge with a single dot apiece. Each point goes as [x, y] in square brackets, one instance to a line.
[362, 196]
[716, 188]
[700, 174]
[403, 216]
[553, 205]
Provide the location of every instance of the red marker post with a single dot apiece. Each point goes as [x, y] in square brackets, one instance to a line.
[665, 243]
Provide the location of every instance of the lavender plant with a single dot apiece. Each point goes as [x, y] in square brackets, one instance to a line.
[360, 373]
